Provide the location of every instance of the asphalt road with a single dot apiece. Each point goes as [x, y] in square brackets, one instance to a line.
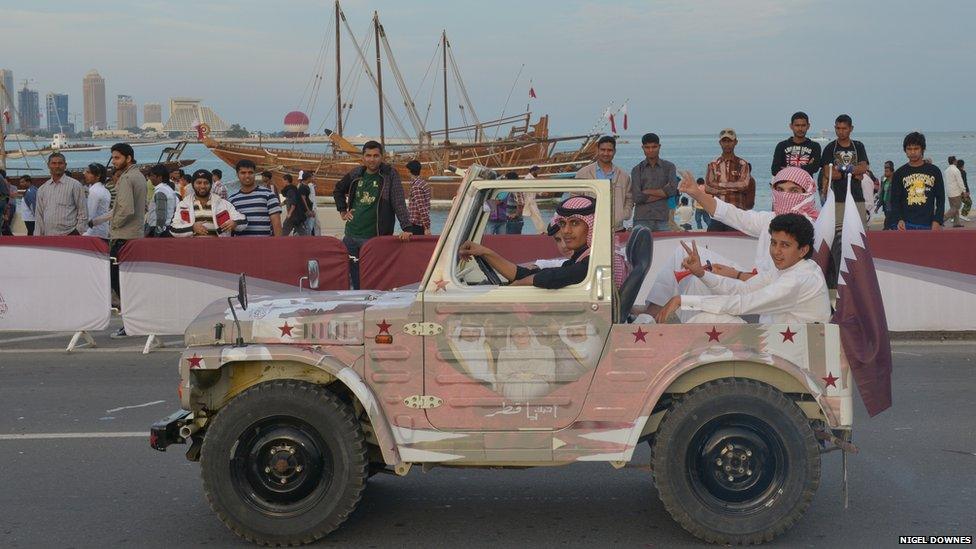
[915, 475]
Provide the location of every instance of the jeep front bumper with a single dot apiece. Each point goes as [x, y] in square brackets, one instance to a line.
[167, 430]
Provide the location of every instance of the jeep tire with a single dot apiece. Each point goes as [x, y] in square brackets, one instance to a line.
[735, 462]
[284, 463]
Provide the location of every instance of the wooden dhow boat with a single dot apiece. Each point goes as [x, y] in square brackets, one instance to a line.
[522, 145]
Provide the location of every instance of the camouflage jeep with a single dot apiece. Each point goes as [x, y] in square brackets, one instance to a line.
[292, 406]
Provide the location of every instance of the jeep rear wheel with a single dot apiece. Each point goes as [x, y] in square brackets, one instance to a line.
[284, 463]
[736, 462]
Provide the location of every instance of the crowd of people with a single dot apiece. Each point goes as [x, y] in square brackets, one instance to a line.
[912, 197]
[117, 203]
[165, 201]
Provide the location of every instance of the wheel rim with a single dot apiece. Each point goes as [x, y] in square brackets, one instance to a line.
[281, 466]
[737, 464]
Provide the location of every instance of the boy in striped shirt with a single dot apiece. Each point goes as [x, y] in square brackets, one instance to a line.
[259, 205]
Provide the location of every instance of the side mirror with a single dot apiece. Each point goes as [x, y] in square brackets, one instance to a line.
[312, 277]
[313, 274]
[242, 291]
[242, 299]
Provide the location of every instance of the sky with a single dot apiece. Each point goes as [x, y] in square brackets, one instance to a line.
[686, 66]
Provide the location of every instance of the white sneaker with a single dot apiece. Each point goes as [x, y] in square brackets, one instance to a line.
[964, 218]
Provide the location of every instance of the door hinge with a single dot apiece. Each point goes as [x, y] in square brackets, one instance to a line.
[423, 328]
[423, 402]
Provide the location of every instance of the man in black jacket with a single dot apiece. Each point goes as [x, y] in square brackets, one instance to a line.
[368, 199]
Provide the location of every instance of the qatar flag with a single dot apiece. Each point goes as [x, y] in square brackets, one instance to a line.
[861, 316]
[823, 233]
[623, 111]
[6, 115]
[198, 126]
[613, 123]
[532, 93]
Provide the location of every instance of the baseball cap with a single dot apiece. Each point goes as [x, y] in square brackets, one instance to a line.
[727, 132]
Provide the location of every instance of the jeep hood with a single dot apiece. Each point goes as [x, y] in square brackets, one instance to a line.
[309, 318]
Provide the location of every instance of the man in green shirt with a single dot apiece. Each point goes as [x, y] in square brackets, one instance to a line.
[368, 199]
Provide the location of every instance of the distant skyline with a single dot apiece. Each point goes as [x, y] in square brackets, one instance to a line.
[687, 67]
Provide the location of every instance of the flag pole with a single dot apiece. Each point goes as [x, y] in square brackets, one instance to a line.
[3, 134]
[830, 180]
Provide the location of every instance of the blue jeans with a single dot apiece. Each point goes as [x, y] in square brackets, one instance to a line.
[496, 227]
[514, 227]
[702, 219]
[916, 227]
[655, 225]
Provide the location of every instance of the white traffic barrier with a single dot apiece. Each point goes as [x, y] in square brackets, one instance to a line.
[54, 284]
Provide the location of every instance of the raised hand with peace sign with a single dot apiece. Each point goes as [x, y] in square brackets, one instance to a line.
[692, 261]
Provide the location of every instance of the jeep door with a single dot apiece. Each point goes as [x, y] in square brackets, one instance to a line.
[512, 357]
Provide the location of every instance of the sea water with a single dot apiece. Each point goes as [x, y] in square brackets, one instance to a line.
[687, 152]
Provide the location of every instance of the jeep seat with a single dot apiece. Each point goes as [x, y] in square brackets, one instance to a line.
[640, 251]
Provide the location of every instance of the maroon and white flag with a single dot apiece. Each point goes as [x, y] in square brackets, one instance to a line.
[861, 316]
[608, 114]
[823, 233]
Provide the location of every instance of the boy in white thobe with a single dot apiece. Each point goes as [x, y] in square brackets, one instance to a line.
[795, 292]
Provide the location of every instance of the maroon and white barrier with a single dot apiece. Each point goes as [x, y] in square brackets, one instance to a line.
[166, 282]
[928, 280]
[54, 283]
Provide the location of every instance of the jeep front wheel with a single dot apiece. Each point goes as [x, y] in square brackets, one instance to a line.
[736, 462]
[284, 463]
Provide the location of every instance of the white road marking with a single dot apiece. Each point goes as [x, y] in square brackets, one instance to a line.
[167, 349]
[51, 436]
[153, 403]
[34, 338]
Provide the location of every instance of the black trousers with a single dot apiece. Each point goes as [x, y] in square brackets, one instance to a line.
[114, 248]
[353, 246]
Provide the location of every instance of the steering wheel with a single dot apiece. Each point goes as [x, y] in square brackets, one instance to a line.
[490, 273]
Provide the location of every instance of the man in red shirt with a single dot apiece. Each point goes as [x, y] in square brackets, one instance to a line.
[419, 206]
[729, 177]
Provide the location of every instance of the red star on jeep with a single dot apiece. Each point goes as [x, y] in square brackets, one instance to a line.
[830, 380]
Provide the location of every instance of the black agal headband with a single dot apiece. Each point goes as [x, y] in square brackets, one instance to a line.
[585, 210]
